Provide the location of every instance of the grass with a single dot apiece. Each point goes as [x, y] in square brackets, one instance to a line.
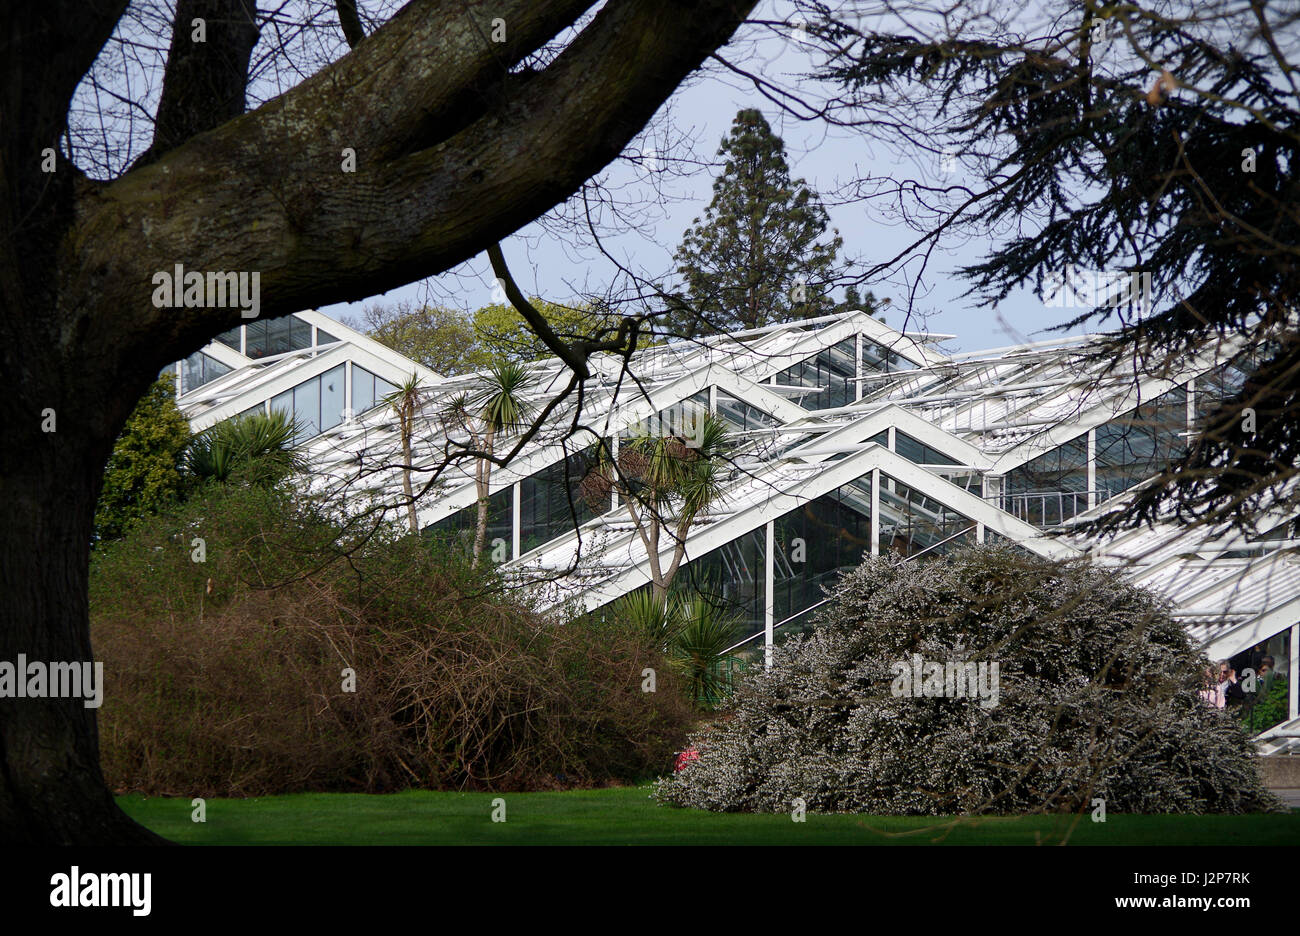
[627, 816]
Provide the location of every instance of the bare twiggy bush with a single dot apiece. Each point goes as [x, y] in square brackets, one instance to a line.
[227, 677]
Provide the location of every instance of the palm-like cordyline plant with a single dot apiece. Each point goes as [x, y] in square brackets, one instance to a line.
[406, 401]
[692, 632]
[499, 408]
[257, 445]
[703, 629]
[663, 476]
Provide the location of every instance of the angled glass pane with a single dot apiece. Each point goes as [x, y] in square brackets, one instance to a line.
[815, 544]
[255, 339]
[828, 375]
[682, 419]
[299, 333]
[278, 335]
[878, 359]
[363, 389]
[732, 578]
[199, 369]
[551, 501]
[306, 408]
[460, 526]
[919, 452]
[741, 414]
[282, 402]
[1142, 443]
[910, 522]
[1222, 383]
[331, 397]
[230, 338]
[1051, 488]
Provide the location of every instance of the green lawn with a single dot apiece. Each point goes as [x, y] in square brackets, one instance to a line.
[628, 816]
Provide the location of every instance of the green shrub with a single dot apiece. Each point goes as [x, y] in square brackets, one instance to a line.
[1096, 698]
[143, 473]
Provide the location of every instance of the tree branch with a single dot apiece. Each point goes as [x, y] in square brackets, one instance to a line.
[536, 321]
[266, 192]
[350, 22]
[207, 71]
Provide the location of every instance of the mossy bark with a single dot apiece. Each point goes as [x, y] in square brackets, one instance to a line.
[453, 152]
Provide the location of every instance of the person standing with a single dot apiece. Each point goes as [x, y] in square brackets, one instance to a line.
[1228, 686]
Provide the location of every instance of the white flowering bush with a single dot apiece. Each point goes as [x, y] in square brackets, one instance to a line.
[1096, 698]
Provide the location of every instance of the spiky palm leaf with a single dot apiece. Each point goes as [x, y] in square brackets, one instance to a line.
[407, 398]
[257, 443]
[649, 616]
[502, 406]
[703, 628]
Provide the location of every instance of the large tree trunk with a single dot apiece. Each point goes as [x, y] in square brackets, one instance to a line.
[51, 789]
[455, 148]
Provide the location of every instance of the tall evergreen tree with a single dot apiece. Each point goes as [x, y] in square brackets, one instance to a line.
[143, 474]
[759, 255]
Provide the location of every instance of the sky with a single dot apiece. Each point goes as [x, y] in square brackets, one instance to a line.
[561, 267]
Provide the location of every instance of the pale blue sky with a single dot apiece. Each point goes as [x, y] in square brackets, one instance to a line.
[561, 267]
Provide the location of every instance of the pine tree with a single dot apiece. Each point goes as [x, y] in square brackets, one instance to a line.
[759, 255]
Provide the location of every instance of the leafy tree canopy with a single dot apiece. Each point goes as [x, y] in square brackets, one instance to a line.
[143, 474]
[441, 338]
[450, 341]
[502, 330]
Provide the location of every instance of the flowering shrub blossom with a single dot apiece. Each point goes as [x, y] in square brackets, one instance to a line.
[1097, 699]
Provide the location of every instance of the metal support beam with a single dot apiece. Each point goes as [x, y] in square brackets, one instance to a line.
[1293, 683]
[875, 511]
[613, 454]
[516, 511]
[769, 593]
[348, 412]
[857, 366]
[1092, 468]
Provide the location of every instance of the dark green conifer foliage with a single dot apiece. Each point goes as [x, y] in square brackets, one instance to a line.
[760, 253]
